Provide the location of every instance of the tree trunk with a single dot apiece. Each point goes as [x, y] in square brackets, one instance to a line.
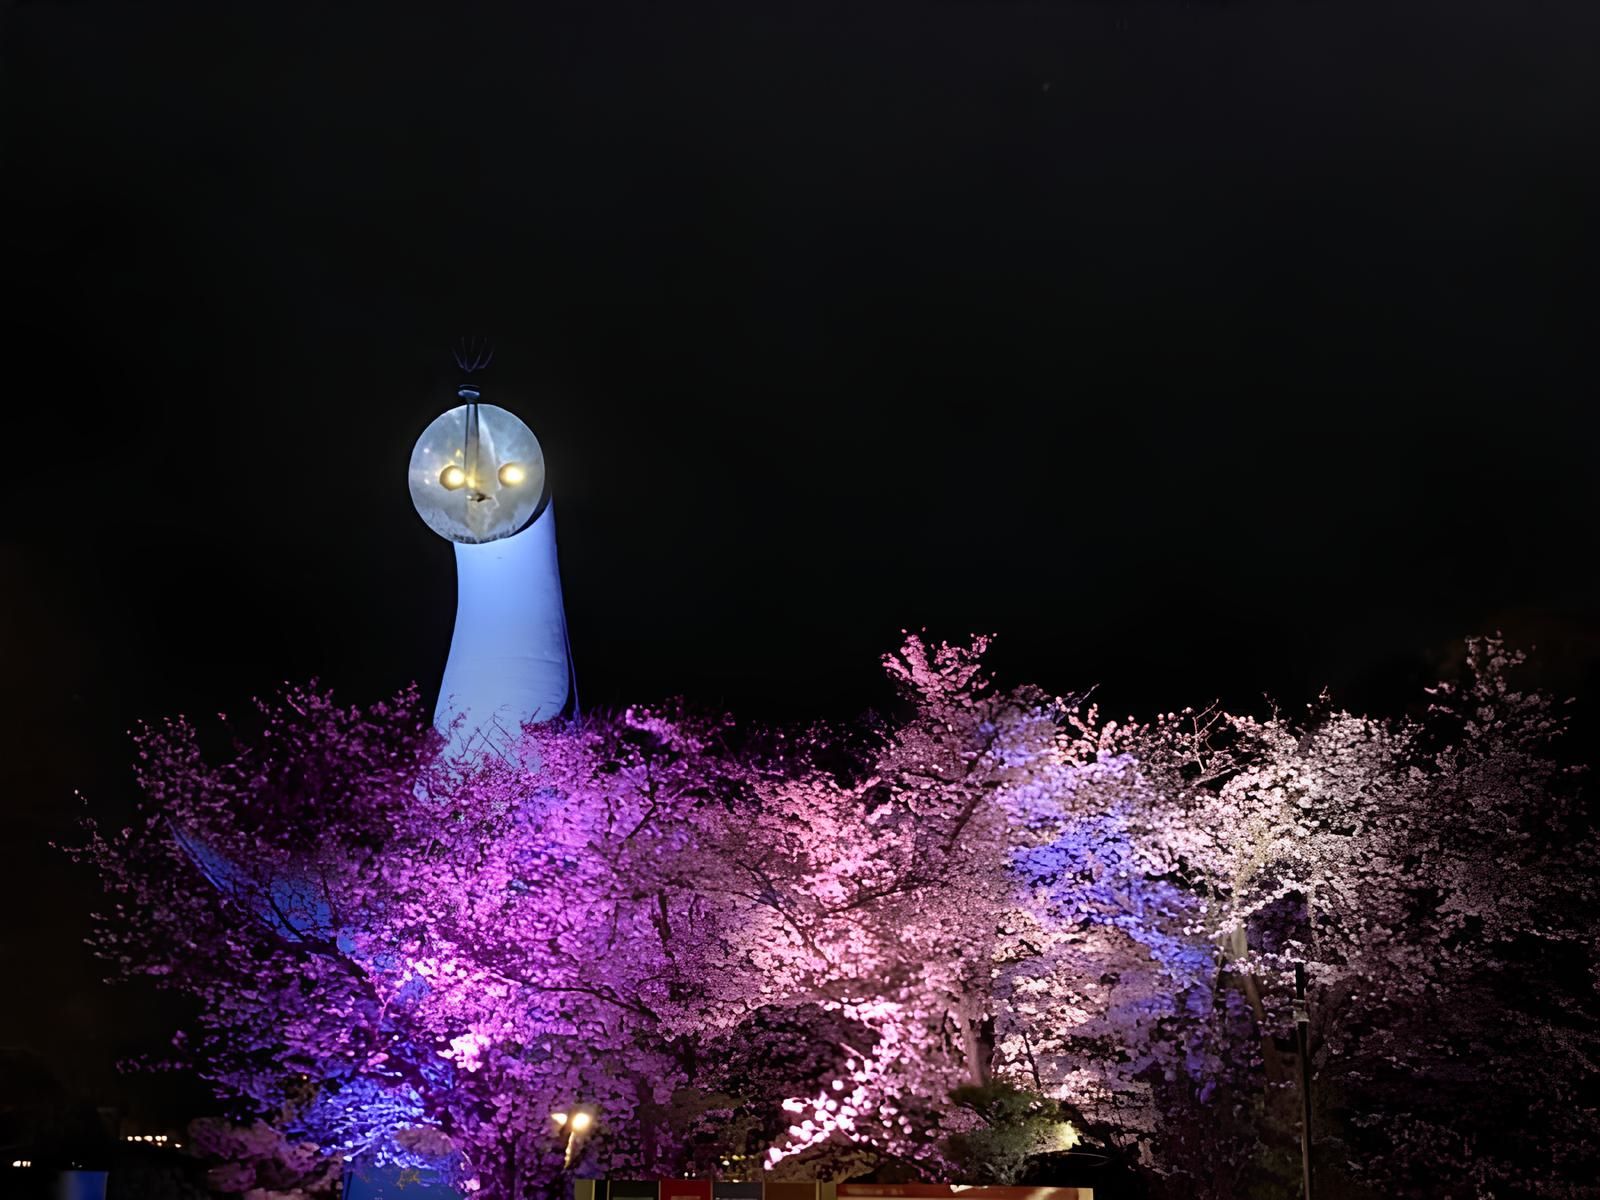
[973, 1043]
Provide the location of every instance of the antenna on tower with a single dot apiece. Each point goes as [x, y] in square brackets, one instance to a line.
[473, 353]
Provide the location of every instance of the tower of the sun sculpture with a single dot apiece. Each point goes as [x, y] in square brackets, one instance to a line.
[478, 479]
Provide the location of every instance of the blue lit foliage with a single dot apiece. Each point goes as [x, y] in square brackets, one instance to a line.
[1093, 877]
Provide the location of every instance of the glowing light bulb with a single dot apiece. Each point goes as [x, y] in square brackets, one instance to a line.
[581, 1121]
[452, 477]
[512, 474]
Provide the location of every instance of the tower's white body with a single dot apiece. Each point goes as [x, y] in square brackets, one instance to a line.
[477, 478]
[510, 664]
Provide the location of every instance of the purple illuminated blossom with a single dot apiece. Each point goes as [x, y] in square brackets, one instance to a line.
[792, 946]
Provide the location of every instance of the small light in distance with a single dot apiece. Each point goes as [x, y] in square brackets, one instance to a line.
[512, 474]
[581, 1121]
[452, 477]
[559, 1118]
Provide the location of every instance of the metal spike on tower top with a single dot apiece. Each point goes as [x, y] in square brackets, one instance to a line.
[473, 353]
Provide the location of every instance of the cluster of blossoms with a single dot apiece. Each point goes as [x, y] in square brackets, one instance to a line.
[739, 949]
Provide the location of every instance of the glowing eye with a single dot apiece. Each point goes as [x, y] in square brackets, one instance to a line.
[452, 477]
[559, 1118]
[512, 474]
[580, 1121]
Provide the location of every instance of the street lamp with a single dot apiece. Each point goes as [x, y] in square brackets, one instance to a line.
[575, 1123]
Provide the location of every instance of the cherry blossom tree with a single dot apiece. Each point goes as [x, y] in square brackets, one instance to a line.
[734, 949]
[381, 942]
[1433, 877]
[1437, 878]
[380, 945]
[873, 890]
[1117, 992]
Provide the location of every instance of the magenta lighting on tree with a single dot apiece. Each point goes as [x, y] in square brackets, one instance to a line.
[992, 936]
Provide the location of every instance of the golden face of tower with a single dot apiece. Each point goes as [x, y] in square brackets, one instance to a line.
[477, 474]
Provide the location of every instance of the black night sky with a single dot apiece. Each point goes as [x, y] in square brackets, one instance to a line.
[1218, 349]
